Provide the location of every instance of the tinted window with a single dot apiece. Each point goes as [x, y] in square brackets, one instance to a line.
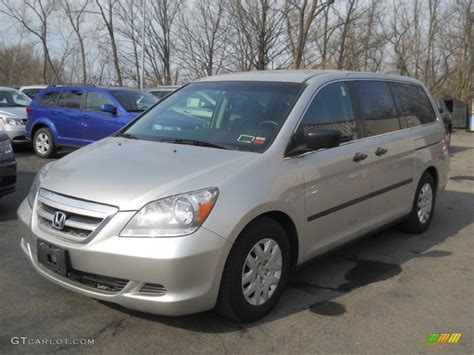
[48, 99]
[376, 106]
[331, 108]
[414, 106]
[95, 100]
[70, 99]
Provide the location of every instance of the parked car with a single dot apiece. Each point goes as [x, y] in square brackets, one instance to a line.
[446, 117]
[175, 214]
[78, 115]
[32, 90]
[13, 116]
[7, 166]
[161, 92]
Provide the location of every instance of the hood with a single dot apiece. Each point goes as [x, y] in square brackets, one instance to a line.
[130, 173]
[13, 112]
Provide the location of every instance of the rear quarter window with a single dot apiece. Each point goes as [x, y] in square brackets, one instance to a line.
[48, 99]
[414, 106]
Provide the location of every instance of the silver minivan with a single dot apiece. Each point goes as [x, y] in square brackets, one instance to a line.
[181, 212]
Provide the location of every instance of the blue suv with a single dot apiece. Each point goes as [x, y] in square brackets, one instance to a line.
[74, 116]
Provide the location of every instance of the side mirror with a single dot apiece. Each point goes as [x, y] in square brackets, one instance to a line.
[319, 138]
[109, 108]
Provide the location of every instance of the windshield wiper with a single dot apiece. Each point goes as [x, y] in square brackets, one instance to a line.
[126, 135]
[195, 142]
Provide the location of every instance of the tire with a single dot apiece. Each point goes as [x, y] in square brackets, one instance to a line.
[423, 208]
[232, 303]
[43, 143]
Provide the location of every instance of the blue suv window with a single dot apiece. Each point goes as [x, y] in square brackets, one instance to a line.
[70, 99]
[95, 100]
[48, 99]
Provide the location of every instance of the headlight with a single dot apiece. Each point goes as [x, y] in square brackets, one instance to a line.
[172, 216]
[12, 121]
[35, 186]
[5, 147]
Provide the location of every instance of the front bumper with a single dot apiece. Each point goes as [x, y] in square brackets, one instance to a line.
[189, 268]
[7, 177]
[16, 133]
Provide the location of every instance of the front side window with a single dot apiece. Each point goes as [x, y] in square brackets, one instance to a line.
[48, 99]
[331, 108]
[376, 106]
[414, 106]
[134, 101]
[95, 100]
[70, 99]
[234, 115]
[13, 98]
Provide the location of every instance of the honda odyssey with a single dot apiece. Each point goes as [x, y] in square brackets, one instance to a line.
[182, 212]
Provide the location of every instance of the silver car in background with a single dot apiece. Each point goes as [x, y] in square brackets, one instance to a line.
[160, 92]
[13, 115]
[182, 212]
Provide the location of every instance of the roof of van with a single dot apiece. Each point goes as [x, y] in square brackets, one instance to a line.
[90, 87]
[301, 76]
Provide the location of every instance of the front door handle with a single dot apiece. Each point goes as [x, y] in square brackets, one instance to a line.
[359, 156]
[380, 151]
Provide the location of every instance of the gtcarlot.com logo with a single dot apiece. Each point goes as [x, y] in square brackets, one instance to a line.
[442, 338]
[48, 341]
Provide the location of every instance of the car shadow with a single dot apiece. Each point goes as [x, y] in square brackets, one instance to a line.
[318, 285]
[454, 149]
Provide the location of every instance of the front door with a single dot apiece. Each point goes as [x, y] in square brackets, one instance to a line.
[337, 180]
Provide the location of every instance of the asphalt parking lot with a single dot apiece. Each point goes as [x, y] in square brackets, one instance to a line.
[381, 294]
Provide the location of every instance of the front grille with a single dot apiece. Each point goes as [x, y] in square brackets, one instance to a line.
[7, 180]
[83, 219]
[24, 121]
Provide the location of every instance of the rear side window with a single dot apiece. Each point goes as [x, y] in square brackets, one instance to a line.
[70, 99]
[377, 106]
[413, 104]
[48, 99]
[95, 100]
[331, 108]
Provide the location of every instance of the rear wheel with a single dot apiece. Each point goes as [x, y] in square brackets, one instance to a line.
[423, 206]
[43, 143]
[256, 271]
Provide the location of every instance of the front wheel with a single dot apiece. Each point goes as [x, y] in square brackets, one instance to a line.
[256, 271]
[423, 206]
[43, 143]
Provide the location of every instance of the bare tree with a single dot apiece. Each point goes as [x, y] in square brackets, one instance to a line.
[75, 16]
[300, 15]
[41, 10]
[106, 12]
[259, 25]
[160, 47]
[204, 38]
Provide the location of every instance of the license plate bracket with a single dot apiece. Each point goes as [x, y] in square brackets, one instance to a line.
[53, 257]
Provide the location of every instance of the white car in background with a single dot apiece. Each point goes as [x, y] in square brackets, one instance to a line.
[32, 90]
[13, 116]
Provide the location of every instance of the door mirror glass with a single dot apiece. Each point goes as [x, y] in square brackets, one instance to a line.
[109, 108]
[319, 138]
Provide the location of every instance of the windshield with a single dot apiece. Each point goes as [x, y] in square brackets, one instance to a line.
[13, 98]
[236, 115]
[134, 101]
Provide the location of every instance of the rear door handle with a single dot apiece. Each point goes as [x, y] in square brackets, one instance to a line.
[359, 156]
[380, 151]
